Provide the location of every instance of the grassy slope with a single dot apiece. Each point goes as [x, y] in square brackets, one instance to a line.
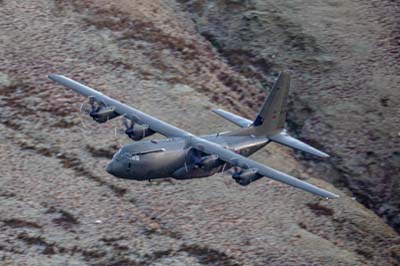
[57, 203]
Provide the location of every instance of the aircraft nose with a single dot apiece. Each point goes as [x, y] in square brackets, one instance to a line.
[112, 168]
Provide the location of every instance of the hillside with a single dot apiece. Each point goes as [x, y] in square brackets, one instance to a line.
[59, 206]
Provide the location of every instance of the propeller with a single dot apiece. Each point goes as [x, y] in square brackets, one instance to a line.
[91, 128]
[128, 125]
[123, 127]
[235, 171]
[134, 132]
[195, 156]
[88, 107]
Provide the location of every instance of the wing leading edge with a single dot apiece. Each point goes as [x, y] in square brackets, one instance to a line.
[246, 163]
[129, 112]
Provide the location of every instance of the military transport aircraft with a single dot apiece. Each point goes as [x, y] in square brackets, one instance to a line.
[183, 155]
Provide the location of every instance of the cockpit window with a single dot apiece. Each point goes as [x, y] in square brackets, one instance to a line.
[127, 153]
[116, 154]
[135, 158]
[121, 154]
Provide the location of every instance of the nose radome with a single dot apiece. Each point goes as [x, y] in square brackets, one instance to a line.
[111, 168]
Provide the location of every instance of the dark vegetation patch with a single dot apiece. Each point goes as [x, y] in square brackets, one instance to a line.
[13, 250]
[93, 253]
[244, 62]
[76, 5]
[365, 252]
[209, 256]
[32, 240]
[110, 240]
[204, 255]
[384, 101]
[113, 242]
[302, 225]
[65, 123]
[320, 209]
[89, 254]
[51, 248]
[28, 143]
[395, 252]
[121, 261]
[156, 255]
[7, 194]
[18, 223]
[148, 231]
[65, 220]
[102, 152]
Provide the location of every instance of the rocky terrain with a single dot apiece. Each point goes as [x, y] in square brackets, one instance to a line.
[177, 60]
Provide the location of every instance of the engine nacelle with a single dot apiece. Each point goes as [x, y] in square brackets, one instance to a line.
[245, 177]
[139, 132]
[200, 167]
[103, 114]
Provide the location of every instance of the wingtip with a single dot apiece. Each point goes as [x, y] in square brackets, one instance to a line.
[324, 155]
[52, 76]
[332, 196]
[318, 153]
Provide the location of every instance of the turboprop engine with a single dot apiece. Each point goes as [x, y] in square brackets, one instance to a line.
[99, 112]
[198, 166]
[245, 177]
[136, 132]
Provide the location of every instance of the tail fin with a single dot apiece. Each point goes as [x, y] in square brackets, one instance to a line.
[270, 121]
[271, 118]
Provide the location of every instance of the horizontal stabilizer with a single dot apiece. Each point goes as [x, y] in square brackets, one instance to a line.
[237, 120]
[234, 159]
[284, 139]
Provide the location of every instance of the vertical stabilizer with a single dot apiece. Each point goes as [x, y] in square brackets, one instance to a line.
[271, 118]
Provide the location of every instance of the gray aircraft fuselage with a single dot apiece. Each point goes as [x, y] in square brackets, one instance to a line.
[146, 160]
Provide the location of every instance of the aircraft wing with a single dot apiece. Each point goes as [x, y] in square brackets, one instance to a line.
[235, 159]
[129, 112]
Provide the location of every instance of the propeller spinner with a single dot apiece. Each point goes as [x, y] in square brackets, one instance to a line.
[134, 131]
